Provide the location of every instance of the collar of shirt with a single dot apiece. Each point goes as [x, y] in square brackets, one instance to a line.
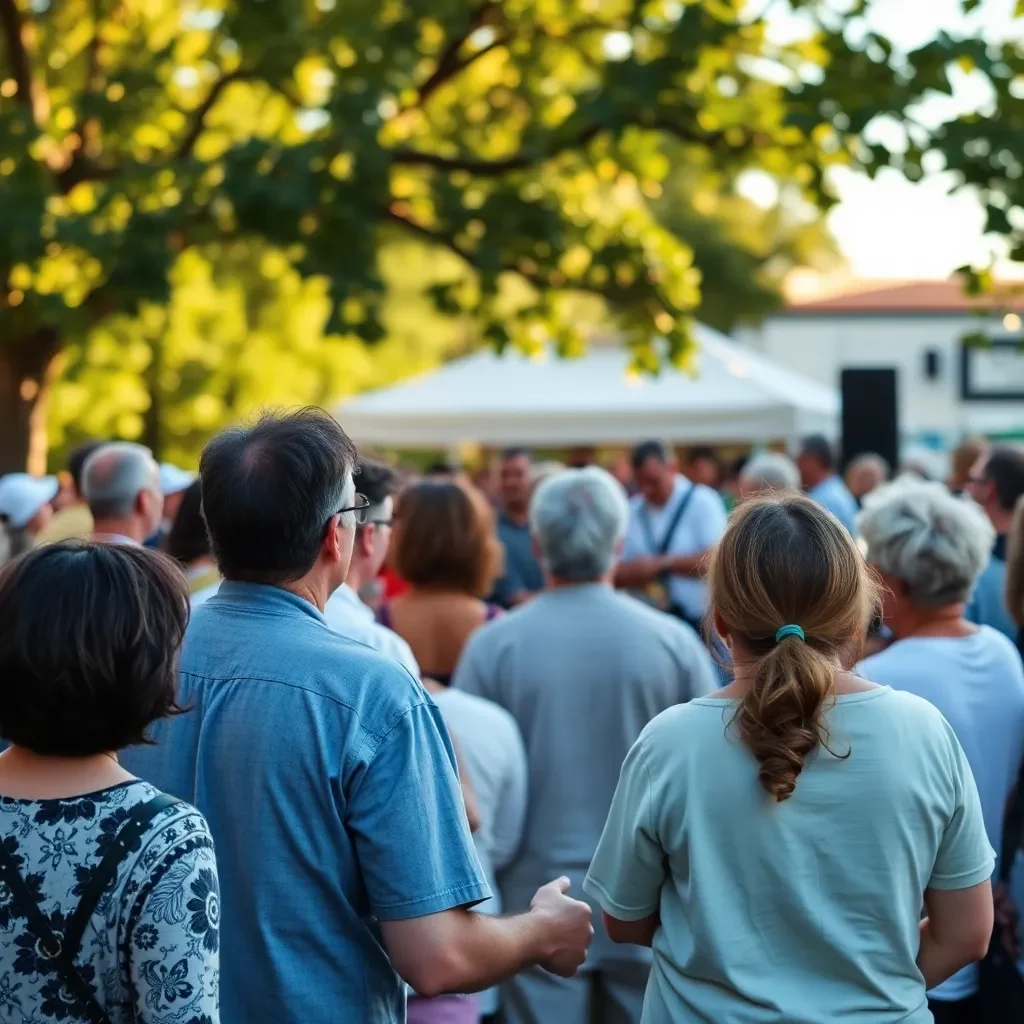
[116, 538]
[504, 520]
[354, 605]
[266, 598]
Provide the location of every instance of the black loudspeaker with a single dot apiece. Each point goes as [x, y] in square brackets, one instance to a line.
[870, 414]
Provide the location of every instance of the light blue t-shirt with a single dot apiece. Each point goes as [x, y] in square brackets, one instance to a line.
[833, 495]
[803, 911]
[329, 782]
[977, 682]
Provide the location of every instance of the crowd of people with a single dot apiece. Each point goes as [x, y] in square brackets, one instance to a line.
[307, 738]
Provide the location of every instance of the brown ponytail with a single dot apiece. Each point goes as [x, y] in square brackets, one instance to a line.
[782, 561]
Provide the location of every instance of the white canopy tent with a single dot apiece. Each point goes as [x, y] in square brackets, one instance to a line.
[736, 397]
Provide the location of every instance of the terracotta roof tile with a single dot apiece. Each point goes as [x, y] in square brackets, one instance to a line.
[906, 297]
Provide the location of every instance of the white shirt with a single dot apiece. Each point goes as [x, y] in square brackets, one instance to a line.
[348, 615]
[700, 528]
[977, 682]
[492, 752]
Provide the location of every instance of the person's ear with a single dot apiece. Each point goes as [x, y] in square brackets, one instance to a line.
[366, 537]
[331, 544]
[721, 629]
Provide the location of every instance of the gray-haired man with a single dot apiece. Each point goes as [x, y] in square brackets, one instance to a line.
[121, 484]
[583, 668]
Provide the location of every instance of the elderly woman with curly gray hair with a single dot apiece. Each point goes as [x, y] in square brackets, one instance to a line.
[929, 548]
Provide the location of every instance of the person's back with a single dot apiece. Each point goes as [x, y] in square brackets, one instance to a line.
[775, 842]
[492, 755]
[977, 682]
[288, 720]
[582, 669]
[805, 911]
[109, 904]
[325, 769]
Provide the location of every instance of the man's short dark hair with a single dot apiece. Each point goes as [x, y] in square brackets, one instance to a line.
[77, 460]
[1005, 468]
[820, 449]
[89, 638]
[269, 491]
[701, 453]
[188, 539]
[516, 451]
[650, 450]
[377, 481]
[441, 470]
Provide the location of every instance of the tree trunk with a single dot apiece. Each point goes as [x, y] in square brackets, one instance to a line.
[27, 368]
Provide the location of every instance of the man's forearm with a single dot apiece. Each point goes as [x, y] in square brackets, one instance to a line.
[685, 565]
[634, 574]
[487, 950]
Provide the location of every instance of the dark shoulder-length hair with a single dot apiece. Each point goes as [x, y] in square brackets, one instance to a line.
[89, 640]
[445, 537]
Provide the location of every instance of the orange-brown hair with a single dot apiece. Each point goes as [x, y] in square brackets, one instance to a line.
[445, 537]
[784, 560]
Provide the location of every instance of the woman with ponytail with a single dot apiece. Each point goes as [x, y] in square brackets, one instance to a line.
[776, 841]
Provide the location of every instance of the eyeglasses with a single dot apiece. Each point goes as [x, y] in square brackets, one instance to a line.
[360, 510]
[977, 481]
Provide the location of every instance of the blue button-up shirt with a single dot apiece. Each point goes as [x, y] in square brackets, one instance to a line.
[833, 495]
[987, 606]
[329, 782]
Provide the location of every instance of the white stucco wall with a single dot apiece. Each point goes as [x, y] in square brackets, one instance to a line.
[822, 346]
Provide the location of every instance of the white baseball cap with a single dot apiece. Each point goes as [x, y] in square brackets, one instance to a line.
[174, 480]
[23, 495]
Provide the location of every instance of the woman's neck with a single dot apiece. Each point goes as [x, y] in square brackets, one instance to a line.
[947, 621]
[27, 775]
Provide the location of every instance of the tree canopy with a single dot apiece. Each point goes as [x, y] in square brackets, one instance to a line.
[529, 140]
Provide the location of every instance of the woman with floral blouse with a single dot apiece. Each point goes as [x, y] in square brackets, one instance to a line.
[109, 906]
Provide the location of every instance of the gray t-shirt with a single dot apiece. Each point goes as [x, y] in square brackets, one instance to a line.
[582, 669]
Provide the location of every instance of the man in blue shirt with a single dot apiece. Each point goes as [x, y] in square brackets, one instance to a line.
[324, 769]
[523, 575]
[817, 465]
[996, 483]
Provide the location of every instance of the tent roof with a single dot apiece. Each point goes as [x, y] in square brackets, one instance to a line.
[737, 396]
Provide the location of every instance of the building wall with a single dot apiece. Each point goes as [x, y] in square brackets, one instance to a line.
[930, 409]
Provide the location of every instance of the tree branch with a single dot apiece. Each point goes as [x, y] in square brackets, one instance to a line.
[199, 115]
[493, 168]
[448, 64]
[617, 296]
[17, 54]
[432, 236]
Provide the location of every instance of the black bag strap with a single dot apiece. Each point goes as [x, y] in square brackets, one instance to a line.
[677, 518]
[58, 952]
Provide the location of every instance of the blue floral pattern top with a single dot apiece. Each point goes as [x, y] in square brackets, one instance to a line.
[151, 950]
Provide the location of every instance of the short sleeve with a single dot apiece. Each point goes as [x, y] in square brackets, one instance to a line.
[965, 856]
[628, 869]
[634, 544]
[174, 941]
[409, 823]
[711, 520]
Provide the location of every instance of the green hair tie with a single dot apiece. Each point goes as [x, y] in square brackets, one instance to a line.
[790, 630]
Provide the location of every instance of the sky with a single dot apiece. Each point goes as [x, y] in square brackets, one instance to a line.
[889, 227]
